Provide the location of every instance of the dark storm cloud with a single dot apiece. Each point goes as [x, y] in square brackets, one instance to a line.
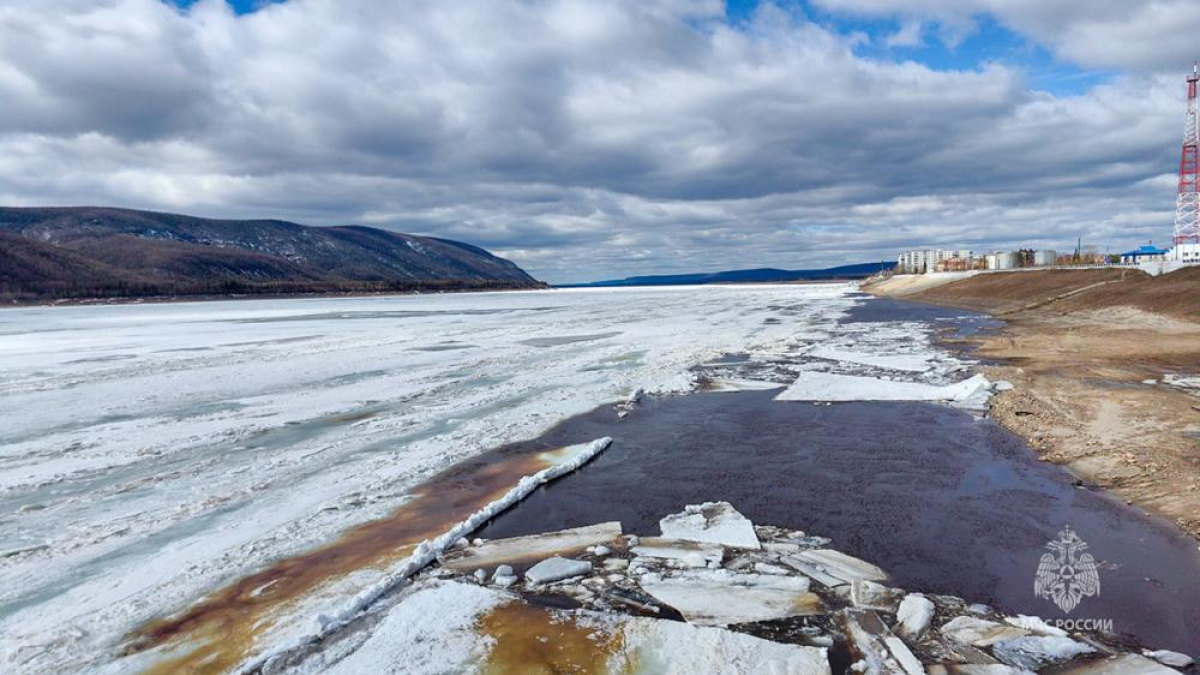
[584, 138]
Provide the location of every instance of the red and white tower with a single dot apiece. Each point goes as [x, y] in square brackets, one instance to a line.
[1187, 203]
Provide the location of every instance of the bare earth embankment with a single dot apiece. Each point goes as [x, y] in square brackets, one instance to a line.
[1093, 354]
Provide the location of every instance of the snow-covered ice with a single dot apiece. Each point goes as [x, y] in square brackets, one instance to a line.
[449, 627]
[695, 554]
[532, 547]
[834, 568]
[153, 453]
[913, 616]
[721, 597]
[713, 523]
[557, 569]
[819, 386]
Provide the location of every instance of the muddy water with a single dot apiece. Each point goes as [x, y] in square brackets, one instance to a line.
[945, 502]
[220, 631]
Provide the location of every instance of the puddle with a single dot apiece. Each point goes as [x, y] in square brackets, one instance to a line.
[944, 502]
[220, 631]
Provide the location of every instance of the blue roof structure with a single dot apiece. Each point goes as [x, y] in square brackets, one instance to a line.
[1145, 249]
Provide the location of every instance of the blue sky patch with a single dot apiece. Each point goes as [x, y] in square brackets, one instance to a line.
[986, 41]
[239, 6]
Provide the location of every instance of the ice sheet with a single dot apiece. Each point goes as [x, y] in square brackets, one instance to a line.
[818, 386]
[721, 597]
[152, 453]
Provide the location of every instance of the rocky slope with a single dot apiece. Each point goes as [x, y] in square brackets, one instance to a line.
[51, 253]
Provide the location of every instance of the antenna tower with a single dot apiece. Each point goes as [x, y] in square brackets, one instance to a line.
[1187, 203]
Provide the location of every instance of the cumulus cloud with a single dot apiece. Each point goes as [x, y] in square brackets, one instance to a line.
[583, 138]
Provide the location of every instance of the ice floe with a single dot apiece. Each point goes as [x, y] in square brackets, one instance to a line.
[820, 386]
[689, 553]
[557, 569]
[1122, 664]
[834, 568]
[721, 597]
[913, 616]
[712, 522]
[534, 547]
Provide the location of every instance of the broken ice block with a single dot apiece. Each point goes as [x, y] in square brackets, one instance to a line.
[979, 632]
[1125, 664]
[557, 569]
[721, 598]
[834, 568]
[695, 554]
[712, 522]
[914, 615]
[533, 547]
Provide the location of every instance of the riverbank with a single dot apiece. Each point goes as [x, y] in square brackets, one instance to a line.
[1100, 360]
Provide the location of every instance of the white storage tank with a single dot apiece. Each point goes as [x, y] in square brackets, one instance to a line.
[1045, 258]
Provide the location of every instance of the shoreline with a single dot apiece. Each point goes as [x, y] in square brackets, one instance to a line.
[217, 297]
[1096, 381]
[319, 295]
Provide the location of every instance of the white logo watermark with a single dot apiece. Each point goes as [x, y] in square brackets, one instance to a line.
[1068, 573]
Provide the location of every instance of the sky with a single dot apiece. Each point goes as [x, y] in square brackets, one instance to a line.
[596, 139]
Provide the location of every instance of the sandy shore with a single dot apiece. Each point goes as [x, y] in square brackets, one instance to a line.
[1095, 356]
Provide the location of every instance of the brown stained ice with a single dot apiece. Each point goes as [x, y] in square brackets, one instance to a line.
[531, 548]
[531, 640]
[220, 632]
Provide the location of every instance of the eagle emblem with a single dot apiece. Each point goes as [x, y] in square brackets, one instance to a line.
[1068, 573]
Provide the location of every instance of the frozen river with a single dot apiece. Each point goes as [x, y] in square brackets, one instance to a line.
[150, 453]
[153, 456]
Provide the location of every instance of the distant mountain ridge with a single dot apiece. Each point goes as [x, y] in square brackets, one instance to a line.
[86, 252]
[760, 275]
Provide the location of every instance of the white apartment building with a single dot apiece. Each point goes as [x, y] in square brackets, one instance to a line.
[923, 261]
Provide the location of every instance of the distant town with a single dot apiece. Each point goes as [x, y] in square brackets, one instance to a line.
[1152, 259]
[931, 260]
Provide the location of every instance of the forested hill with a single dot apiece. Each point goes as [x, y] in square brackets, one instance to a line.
[87, 252]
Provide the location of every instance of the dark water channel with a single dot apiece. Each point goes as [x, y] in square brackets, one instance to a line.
[946, 502]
